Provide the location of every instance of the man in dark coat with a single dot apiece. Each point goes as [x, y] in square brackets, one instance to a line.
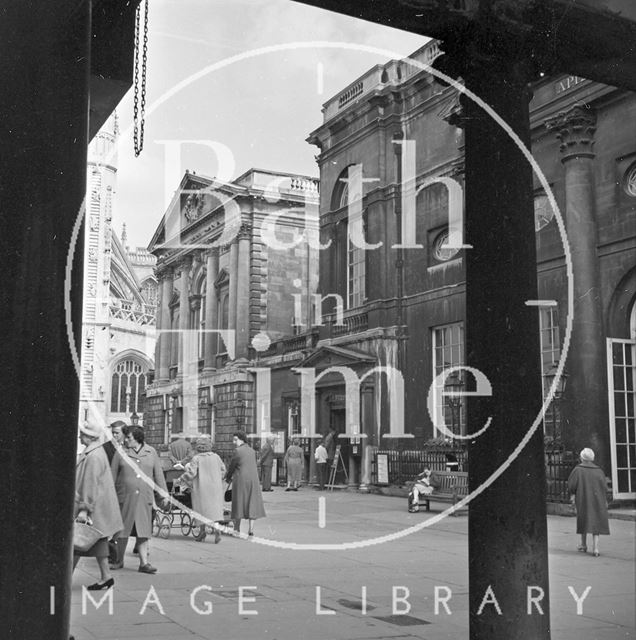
[587, 486]
[247, 500]
[266, 463]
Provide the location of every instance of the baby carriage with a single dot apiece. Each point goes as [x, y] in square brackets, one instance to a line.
[175, 517]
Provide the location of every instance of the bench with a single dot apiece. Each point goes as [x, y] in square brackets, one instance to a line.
[453, 486]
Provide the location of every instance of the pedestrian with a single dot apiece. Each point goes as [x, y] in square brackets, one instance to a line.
[294, 457]
[136, 495]
[179, 450]
[330, 445]
[266, 462]
[425, 483]
[117, 439]
[247, 499]
[320, 455]
[96, 500]
[588, 489]
[204, 475]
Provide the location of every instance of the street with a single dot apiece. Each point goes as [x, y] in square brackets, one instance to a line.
[415, 586]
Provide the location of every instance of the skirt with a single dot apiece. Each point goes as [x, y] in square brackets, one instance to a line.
[98, 550]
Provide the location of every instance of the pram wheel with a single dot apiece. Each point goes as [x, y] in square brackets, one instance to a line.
[164, 527]
[186, 524]
[196, 530]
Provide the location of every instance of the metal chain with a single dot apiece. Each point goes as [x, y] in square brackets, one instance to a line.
[139, 106]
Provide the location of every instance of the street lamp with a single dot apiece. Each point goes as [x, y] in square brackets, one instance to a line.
[453, 385]
[550, 375]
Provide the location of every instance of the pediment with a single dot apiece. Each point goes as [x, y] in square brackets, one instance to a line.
[334, 356]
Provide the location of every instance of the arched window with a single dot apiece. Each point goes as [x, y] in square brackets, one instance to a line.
[340, 193]
[128, 386]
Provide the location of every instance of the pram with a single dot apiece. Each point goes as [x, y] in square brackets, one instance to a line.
[174, 517]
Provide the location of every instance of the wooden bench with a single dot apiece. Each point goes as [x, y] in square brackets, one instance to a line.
[452, 488]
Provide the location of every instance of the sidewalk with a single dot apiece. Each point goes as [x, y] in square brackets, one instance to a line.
[255, 590]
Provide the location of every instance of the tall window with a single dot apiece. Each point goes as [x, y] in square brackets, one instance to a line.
[128, 386]
[197, 316]
[550, 354]
[356, 276]
[448, 351]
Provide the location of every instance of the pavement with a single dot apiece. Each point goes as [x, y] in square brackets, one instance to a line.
[270, 587]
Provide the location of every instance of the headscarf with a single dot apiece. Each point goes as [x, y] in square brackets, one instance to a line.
[587, 455]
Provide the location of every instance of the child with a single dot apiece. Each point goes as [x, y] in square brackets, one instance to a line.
[425, 484]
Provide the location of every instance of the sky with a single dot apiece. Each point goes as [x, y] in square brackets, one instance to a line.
[208, 81]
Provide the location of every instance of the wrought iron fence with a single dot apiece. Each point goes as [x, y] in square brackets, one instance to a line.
[406, 464]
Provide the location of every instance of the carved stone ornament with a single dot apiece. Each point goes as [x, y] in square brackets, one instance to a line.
[92, 254]
[94, 223]
[193, 207]
[575, 128]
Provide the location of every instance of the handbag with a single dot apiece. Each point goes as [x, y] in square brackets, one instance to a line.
[85, 535]
[227, 496]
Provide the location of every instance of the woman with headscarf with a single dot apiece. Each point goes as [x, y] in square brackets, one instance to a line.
[96, 500]
[204, 475]
[136, 494]
[293, 460]
[588, 488]
[247, 499]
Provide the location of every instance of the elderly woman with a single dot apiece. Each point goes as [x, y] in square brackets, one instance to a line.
[136, 494]
[589, 491]
[204, 475]
[247, 499]
[96, 500]
[294, 457]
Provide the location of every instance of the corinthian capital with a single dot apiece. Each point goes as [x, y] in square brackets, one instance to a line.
[575, 128]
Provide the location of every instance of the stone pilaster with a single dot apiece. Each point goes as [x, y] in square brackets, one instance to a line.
[584, 412]
[211, 310]
[243, 292]
[233, 292]
[184, 309]
[162, 352]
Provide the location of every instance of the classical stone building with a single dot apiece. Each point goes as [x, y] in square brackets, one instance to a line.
[233, 259]
[392, 145]
[119, 299]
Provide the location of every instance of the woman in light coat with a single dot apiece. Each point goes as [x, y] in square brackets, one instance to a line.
[136, 495]
[247, 499]
[589, 490]
[204, 475]
[294, 457]
[96, 500]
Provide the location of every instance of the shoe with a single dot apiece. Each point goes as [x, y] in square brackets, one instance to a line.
[251, 533]
[295, 489]
[98, 586]
[201, 536]
[596, 554]
[288, 489]
[582, 548]
[147, 568]
[113, 566]
[217, 536]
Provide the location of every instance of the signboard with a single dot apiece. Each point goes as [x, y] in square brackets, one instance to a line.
[382, 468]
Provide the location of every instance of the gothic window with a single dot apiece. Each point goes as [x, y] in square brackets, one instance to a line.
[149, 291]
[128, 386]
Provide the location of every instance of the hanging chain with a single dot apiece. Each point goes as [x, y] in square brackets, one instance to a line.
[139, 108]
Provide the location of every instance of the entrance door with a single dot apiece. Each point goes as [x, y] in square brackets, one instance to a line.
[621, 368]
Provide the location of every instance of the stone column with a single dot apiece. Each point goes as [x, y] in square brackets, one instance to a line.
[45, 136]
[507, 533]
[243, 293]
[163, 319]
[367, 428]
[233, 286]
[585, 403]
[211, 311]
[184, 310]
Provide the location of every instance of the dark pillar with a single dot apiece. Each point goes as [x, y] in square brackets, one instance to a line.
[585, 402]
[507, 524]
[44, 106]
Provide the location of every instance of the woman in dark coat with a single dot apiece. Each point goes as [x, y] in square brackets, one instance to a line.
[247, 499]
[587, 486]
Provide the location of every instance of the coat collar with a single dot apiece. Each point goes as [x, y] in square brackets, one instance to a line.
[588, 464]
[93, 446]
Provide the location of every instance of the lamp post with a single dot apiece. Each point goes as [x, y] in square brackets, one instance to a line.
[453, 385]
[134, 419]
[558, 398]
